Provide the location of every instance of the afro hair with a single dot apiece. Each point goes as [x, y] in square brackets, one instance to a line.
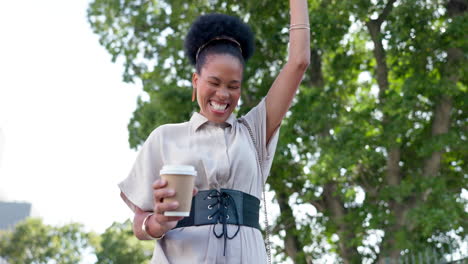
[209, 26]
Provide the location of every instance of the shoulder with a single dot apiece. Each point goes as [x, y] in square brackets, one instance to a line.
[173, 126]
[169, 129]
[257, 113]
[166, 133]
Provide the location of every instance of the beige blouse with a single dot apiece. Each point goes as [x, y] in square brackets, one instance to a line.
[224, 156]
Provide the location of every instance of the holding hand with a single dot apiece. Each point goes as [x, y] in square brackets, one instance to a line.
[159, 223]
[160, 206]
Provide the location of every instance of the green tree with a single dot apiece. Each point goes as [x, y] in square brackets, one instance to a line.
[118, 245]
[376, 140]
[32, 241]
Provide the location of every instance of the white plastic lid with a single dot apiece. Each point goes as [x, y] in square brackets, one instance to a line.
[178, 169]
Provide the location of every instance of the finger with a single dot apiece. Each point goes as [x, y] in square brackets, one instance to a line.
[160, 194]
[164, 220]
[160, 208]
[195, 191]
[159, 183]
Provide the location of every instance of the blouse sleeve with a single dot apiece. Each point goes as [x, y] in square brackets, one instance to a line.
[256, 118]
[137, 187]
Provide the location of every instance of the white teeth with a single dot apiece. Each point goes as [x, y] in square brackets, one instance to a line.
[219, 107]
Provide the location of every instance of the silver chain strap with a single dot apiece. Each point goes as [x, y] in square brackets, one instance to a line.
[267, 226]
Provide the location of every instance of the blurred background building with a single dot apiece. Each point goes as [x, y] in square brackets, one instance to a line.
[13, 212]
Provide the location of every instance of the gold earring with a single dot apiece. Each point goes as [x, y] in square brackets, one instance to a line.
[194, 94]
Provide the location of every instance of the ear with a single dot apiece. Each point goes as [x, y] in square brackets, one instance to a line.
[194, 80]
[194, 86]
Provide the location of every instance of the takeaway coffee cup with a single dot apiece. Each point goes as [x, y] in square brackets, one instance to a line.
[181, 178]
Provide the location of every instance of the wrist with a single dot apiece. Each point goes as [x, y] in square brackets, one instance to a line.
[146, 230]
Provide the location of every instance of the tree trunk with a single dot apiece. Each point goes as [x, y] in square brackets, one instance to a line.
[335, 206]
[440, 126]
[388, 247]
[315, 72]
[292, 243]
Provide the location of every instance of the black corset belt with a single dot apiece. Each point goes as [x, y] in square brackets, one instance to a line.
[225, 206]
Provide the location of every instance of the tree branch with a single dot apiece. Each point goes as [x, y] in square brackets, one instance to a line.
[319, 205]
[315, 72]
[440, 126]
[385, 12]
[380, 57]
[362, 179]
[441, 121]
[393, 167]
[393, 175]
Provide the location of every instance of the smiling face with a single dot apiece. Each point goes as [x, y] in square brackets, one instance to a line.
[218, 86]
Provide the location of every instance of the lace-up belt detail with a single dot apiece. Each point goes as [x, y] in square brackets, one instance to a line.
[226, 206]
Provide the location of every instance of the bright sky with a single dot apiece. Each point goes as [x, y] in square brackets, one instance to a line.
[64, 112]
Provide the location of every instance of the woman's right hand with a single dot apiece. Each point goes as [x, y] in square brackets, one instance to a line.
[157, 224]
[164, 223]
[160, 191]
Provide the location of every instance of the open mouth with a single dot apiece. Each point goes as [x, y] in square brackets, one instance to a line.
[218, 107]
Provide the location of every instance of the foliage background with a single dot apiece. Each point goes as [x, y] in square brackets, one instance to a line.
[372, 160]
[376, 139]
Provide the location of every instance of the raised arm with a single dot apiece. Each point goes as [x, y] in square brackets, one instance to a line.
[284, 88]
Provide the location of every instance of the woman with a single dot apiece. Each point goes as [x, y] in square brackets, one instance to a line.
[232, 156]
